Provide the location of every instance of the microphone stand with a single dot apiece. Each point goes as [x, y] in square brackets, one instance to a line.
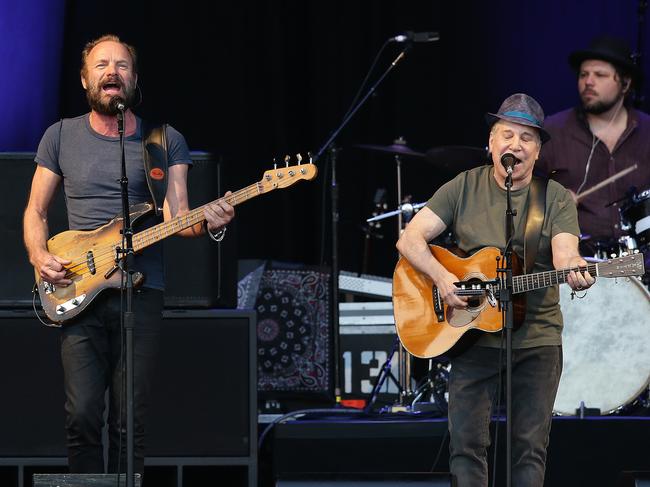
[505, 300]
[335, 217]
[126, 265]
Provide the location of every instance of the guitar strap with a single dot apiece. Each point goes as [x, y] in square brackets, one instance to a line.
[534, 220]
[154, 153]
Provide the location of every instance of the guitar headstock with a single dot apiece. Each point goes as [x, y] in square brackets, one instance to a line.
[283, 177]
[629, 265]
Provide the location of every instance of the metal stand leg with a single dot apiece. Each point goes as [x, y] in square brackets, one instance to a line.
[384, 374]
[403, 356]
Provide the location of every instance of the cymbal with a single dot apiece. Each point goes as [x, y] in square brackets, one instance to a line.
[454, 159]
[394, 149]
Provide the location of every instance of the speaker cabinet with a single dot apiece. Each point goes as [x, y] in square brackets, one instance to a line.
[204, 402]
[31, 411]
[201, 273]
[18, 169]
[204, 396]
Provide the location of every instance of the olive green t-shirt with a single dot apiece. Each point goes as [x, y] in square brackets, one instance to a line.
[473, 207]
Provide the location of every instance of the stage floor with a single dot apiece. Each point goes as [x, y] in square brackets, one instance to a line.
[593, 451]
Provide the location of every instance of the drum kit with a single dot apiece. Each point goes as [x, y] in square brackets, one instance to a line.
[606, 337]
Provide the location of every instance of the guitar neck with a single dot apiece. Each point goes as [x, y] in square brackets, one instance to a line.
[539, 280]
[165, 229]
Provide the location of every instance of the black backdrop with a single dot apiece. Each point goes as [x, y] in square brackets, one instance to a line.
[256, 80]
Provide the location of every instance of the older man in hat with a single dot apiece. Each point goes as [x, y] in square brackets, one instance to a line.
[600, 138]
[473, 206]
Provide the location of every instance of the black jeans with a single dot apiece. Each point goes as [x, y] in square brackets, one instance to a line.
[91, 352]
[472, 392]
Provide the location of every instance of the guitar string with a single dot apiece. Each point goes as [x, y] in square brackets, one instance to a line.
[106, 254]
[148, 236]
[100, 253]
[248, 192]
[530, 282]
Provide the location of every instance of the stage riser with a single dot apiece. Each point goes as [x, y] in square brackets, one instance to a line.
[369, 480]
[581, 452]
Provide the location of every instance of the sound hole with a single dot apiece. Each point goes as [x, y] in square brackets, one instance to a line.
[474, 301]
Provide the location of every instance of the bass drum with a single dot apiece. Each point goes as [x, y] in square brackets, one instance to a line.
[606, 346]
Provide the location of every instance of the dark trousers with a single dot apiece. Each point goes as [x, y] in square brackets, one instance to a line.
[473, 384]
[91, 352]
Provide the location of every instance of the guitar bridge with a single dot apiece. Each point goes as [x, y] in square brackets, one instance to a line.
[70, 304]
[491, 299]
[438, 307]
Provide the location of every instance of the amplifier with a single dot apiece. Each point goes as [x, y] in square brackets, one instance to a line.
[201, 273]
[18, 169]
[204, 396]
[365, 285]
[367, 339]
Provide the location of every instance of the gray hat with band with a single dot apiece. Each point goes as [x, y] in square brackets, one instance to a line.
[523, 110]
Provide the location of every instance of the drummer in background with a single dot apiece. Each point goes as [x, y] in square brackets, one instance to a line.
[599, 138]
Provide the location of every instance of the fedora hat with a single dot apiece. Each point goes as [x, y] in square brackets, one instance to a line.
[522, 109]
[610, 49]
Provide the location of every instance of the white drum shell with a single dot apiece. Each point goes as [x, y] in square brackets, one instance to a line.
[606, 346]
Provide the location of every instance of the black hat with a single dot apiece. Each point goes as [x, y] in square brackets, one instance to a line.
[610, 49]
[522, 109]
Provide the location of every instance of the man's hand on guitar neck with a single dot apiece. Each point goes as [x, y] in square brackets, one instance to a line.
[579, 281]
[567, 256]
[219, 213]
[51, 268]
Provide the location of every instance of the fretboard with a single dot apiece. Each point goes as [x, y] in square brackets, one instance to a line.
[165, 229]
[530, 282]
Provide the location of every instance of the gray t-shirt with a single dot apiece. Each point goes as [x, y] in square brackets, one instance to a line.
[473, 206]
[90, 166]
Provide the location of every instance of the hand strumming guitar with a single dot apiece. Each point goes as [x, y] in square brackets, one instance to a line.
[51, 268]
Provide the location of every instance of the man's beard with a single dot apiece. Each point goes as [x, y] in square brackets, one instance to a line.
[107, 106]
[601, 106]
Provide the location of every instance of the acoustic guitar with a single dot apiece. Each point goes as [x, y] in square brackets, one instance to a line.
[95, 254]
[426, 333]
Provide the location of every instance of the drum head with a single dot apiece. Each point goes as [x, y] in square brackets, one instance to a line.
[606, 346]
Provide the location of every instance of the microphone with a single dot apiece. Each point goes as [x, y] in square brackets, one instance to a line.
[410, 36]
[509, 161]
[118, 103]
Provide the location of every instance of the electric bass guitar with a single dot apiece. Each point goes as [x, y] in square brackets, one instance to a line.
[95, 255]
[428, 328]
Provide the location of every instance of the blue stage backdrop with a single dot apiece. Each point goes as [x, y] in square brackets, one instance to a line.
[31, 40]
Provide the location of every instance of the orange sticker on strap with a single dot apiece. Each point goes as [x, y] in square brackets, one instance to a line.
[157, 173]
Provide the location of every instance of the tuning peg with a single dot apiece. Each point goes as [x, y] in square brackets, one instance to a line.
[299, 158]
[287, 158]
[275, 164]
[310, 159]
